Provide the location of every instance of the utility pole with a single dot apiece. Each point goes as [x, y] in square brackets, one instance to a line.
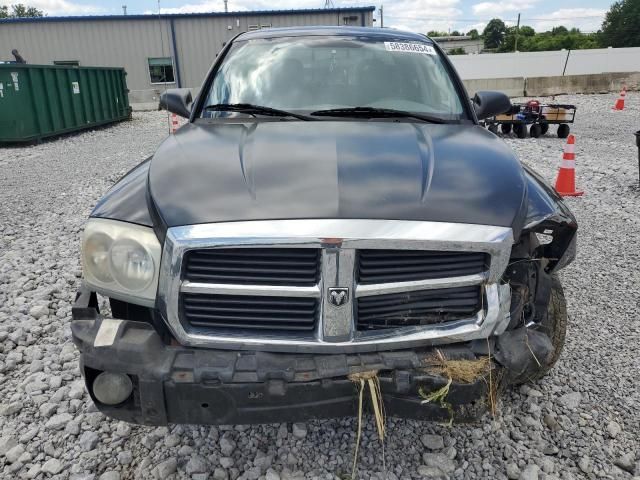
[124, 9]
[226, 8]
[381, 16]
[515, 48]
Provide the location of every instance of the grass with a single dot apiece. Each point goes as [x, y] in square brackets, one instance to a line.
[461, 371]
[439, 396]
[363, 380]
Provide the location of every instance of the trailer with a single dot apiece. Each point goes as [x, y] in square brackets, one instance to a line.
[535, 115]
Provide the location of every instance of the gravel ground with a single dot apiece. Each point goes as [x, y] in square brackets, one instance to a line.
[581, 421]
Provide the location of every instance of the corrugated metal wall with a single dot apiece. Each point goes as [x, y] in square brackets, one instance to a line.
[129, 43]
[198, 41]
[125, 44]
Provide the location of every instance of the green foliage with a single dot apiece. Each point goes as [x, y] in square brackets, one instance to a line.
[559, 30]
[621, 26]
[457, 51]
[473, 34]
[19, 10]
[456, 33]
[556, 39]
[527, 31]
[494, 33]
[436, 33]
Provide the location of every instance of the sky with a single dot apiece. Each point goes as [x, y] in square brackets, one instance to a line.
[413, 15]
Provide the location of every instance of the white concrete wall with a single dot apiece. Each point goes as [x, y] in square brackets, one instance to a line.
[547, 64]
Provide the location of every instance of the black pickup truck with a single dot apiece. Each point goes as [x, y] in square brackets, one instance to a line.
[331, 207]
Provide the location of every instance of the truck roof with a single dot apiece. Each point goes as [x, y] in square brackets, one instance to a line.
[377, 32]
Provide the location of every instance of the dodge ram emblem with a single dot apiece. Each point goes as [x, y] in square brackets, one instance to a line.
[338, 296]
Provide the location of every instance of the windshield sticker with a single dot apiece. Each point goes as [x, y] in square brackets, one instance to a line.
[410, 48]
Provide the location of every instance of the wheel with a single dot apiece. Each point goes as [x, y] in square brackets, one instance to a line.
[563, 130]
[535, 130]
[544, 127]
[506, 128]
[493, 128]
[554, 325]
[520, 130]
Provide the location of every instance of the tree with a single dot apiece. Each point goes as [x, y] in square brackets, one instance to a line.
[527, 31]
[456, 33]
[557, 39]
[559, 30]
[20, 11]
[457, 51]
[494, 33]
[436, 33]
[473, 34]
[620, 26]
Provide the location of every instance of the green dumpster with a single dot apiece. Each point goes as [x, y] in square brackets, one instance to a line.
[38, 101]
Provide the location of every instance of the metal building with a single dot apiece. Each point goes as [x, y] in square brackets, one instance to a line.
[172, 50]
[469, 44]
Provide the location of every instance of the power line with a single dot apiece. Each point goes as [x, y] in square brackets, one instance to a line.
[478, 20]
[435, 19]
[566, 18]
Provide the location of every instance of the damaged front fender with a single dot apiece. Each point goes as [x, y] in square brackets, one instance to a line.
[548, 215]
[546, 243]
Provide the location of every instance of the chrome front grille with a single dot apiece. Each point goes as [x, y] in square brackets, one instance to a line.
[422, 307]
[333, 285]
[385, 266]
[253, 266]
[251, 313]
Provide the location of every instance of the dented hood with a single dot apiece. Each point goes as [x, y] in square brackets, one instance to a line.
[218, 172]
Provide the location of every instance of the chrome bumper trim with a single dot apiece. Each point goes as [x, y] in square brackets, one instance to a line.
[339, 239]
[449, 282]
[255, 290]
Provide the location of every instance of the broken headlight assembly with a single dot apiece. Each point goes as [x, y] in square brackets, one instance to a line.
[121, 260]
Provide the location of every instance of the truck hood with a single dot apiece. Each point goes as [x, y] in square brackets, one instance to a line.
[218, 172]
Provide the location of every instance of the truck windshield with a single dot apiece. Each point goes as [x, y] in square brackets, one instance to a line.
[312, 74]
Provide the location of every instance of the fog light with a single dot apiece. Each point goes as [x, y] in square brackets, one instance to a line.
[112, 388]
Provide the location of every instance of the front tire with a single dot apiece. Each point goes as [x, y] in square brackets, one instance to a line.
[554, 326]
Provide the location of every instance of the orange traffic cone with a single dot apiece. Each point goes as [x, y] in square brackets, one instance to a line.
[566, 181]
[619, 105]
[174, 123]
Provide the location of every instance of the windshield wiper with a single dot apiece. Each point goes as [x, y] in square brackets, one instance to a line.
[253, 110]
[372, 112]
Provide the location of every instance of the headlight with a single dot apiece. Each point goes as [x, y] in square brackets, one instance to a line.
[121, 260]
[131, 264]
[96, 256]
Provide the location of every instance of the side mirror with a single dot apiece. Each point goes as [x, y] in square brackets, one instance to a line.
[177, 100]
[489, 104]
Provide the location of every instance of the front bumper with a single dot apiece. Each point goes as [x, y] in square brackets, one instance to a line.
[178, 384]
